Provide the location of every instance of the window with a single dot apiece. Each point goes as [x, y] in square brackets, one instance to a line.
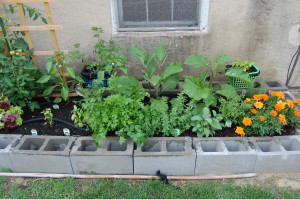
[143, 15]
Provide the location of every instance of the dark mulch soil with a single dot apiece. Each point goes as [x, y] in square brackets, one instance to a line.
[64, 113]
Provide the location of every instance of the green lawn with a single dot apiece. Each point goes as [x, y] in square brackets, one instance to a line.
[70, 188]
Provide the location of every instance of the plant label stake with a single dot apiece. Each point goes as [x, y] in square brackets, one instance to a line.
[228, 123]
[55, 106]
[34, 132]
[66, 131]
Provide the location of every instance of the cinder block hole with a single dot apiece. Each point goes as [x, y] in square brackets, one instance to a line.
[211, 146]
[175, 146]
[268, 146]
[32, 144]
[236, 145]
[152, 146]
[4, 142]
[114, 145]
[87, 145]
[15, 143]
[290, 144]
[273, 84]
[56, 145]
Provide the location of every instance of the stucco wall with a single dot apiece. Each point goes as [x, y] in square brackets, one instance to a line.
[250, 29]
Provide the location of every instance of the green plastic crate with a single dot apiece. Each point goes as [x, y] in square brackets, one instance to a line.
[238, 84]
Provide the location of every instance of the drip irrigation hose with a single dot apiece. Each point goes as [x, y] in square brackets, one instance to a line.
[56, 120]
[291, 71]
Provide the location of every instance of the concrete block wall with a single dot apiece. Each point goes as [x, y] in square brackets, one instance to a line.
[223, 155]
[42, 154]
[109, 158]
[172, 156]
[7, 143]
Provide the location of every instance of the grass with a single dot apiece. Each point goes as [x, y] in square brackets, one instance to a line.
[71, 188]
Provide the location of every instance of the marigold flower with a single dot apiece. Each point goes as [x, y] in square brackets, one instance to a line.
[273, 113]
[290, 103]
[296, 112]
[280, 105]
[282, 119]
[258, 105]
[247, 100]
[247, 121]
[278, 94]
[297, 101]
[254, 111]
[262, 118]
[261, 97]
[240, 131]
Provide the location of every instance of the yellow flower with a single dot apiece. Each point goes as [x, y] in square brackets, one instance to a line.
[280, 105]
[247, 100]
[254, 111]
[290, 103]
[247, 121]
[282, 119]
[273, 113]
[262, 118]
[278, 94]
[240, 131]
[258, 105]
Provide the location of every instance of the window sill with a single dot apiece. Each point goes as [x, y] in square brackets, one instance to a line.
[171, 33]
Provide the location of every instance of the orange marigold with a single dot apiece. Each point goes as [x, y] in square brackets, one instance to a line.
[261, 97]
[280, 105]
[296, 112]
[240, 131]
[278, 94]
[247, 100]
[273, 113]
[282, 119]
[254, 111]
[247, 121]
[258, 105]
[262, 118]
[290, 103]
[297, 101]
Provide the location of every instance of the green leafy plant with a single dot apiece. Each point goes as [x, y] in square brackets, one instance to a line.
[156, 73]
[206, 122]
[48, 116]
[18, 78]
[77, 116]
[55, 68]
[108, 56]
[10, 116]
[244, 65]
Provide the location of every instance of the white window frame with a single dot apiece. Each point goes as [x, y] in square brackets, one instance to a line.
[202, 23]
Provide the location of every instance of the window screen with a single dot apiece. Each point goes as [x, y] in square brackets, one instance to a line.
[158, 13]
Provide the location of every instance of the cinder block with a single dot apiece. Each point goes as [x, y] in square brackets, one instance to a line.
[172, 156]
[223, 156]
[43, 154]
[7, 142]
[109, 158]
[275, 85]
[277, 154]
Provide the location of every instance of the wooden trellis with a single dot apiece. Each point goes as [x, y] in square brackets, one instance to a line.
[27, 29]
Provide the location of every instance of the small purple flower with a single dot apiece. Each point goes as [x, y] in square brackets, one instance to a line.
[5, 105]
[9, 117]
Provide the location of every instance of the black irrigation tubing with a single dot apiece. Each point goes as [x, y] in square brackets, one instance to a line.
[55, 120]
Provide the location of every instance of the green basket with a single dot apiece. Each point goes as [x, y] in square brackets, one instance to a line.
[238, 84]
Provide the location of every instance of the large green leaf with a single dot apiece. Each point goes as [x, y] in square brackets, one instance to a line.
[196, 61]
[137, 53]
[196, 88]
[21, 44]
[222, 58]
[48, 90]
[49, 65]
[44, 79]
[65, 92]
[238, 73]
[150, 65]
[171, 69]
[160, 53]
[154, 80]
[227, 91]
[171, 82]
[124, 82]
[71, 72]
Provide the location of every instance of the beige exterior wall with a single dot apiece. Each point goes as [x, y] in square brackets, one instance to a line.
[250, 29]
